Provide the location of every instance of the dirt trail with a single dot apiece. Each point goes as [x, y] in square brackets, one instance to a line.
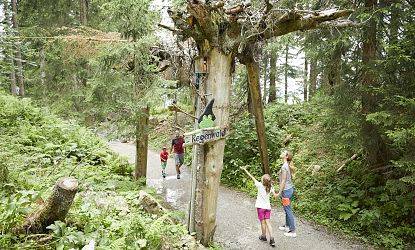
[237, 223]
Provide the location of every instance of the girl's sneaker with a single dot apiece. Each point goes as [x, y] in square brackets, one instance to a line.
[263, 238]
[290, 234]
[284, 228]
[272, 242]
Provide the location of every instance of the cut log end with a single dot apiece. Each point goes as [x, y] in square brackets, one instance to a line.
[68, 183]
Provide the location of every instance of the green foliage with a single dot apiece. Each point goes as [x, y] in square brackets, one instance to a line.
[356, 201]
[133, 19]
[37, 149]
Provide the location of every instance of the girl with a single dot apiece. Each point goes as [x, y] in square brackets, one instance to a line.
[286, 189]
[263, 205]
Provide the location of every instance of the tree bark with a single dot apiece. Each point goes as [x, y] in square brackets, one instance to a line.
[83, 11]
[249, 98]
[20, 80]
[265, 74]
[254, 87]
[374, 145]
[141, 143]
[313, 78]
[305, 79]
[42, 66]
[218, 84]
[334, 72]
[272, 77]
[286, 74]
[54, 209]
[9, 48]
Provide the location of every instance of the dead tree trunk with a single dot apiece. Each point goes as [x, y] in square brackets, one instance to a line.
[141, 143]
[54, 209]
[265, 74]
[252, 68]
[217, 86]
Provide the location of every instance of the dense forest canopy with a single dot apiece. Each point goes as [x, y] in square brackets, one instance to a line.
[340, 94]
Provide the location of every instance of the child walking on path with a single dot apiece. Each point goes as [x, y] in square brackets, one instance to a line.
[164, 155]
[263, 205]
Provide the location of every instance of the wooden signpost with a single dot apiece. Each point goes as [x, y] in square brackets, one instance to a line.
[204, 135]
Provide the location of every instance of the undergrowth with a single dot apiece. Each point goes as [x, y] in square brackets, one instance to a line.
[36, 149]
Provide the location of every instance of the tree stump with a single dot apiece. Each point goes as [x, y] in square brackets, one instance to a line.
[54, 209]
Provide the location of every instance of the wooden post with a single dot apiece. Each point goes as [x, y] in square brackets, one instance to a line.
[218, 86]
[197, 163]
[55, 208]
[141, 143]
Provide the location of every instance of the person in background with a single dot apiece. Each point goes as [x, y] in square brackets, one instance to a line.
[177, 145]
[263, 205]
[286, 191]
[164, 155]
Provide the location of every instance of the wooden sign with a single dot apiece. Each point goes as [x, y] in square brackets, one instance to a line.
[204, 135]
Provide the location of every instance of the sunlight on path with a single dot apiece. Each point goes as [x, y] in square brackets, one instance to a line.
[237, 224]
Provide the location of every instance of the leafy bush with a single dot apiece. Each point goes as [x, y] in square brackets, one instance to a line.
[37, 149]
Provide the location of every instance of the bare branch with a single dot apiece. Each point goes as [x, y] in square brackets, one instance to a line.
[292, 21]
[237, 9]
[168, 28]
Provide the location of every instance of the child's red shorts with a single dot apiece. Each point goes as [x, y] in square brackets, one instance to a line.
[264, 213]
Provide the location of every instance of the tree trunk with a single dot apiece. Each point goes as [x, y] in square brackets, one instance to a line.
[9, 48]
[217, 86]
[272, 77]
[286, 74]
[305, 79]
[313, 78]
[83, 11]
[253, 74]
[54, 209]
[42, 66]
[374, 145]
[141, 143]
[334, 72]
[19, 64]
[249, 98]
[265, 74]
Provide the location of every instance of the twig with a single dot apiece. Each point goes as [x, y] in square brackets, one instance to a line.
[184, 112]
[167, 27]
[347, 161]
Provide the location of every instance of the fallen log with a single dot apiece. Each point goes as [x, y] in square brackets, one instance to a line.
[55, 208]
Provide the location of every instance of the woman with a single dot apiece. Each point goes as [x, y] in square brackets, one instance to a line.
[286, 191]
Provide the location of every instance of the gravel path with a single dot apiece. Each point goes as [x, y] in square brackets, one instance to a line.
[237, 223]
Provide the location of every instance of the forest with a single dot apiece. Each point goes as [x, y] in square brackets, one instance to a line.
[330, 81]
